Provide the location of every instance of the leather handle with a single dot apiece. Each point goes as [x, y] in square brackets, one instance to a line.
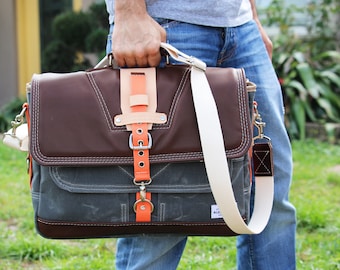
[169, 49]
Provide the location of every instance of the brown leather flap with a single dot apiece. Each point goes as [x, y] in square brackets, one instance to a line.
[72, 117]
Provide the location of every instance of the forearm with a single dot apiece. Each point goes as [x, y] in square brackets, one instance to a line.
[130, 8]
[253, 8]
[268, 43]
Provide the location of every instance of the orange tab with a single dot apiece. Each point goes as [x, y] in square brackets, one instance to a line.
[143, 208]
[29, 156]
[140, 139]
[141, 143]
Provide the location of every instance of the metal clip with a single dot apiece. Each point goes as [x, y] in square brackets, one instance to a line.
[142, 194]
[18, 121]
[142, 183]
[259, 124]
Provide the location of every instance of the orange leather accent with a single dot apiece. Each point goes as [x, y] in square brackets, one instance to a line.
[143, 208]
[140, 132]
[140, 140]
[29, 156]
[150, 95]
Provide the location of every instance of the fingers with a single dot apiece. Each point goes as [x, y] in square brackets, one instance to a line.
[138, 56]
[136, 42]
[134, 61]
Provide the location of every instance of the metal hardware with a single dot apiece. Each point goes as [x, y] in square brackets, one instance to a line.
[259, 124]
[18, 121]
[141, 164]
[140, 143]
[184, 58]
[118, 120]
[142, 194]
[142, 183]
[147, 201]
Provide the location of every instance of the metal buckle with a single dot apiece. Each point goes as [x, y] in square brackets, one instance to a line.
[140, 146]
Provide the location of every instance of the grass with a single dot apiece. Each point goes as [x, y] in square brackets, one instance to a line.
[315, 193]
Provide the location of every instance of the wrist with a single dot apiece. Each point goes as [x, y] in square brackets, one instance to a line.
[130, 7]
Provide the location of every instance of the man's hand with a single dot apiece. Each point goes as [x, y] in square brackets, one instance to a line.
[136, 36]
[267, 42]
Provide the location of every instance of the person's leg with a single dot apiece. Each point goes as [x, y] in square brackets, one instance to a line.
[274, 248]
[149, 252]
[164, 252]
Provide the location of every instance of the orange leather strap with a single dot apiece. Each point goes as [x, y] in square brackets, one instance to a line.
[143, 207]
[140, 138]
[29, 156]
[140, 142]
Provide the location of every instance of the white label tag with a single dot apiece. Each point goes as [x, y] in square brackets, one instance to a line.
[215, 212]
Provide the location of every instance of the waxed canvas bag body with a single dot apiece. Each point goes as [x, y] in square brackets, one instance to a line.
[83, 181]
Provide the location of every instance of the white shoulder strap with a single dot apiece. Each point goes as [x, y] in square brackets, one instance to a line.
[215, 158]
[214, 153]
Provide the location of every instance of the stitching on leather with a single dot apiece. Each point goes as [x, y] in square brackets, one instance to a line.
[162, 212]
[262, 165]
[35, 117]
[245, 132]
[124, 215]
[101, 101]
[62, 183]
[54, 223]
[175, 101]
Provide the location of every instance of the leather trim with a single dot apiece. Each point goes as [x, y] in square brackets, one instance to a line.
[73, 230]
[72, 117]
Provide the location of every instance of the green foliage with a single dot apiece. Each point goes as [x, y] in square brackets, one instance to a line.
[8, 113]
[72, 28]
[99, 15]
[308, 66]
[76, 33]
[96, 40]
[58, 57]
[311, 90]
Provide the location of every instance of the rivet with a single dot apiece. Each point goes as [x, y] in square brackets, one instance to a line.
[118, 120]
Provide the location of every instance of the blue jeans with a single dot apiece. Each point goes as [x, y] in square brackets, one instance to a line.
[274, 248]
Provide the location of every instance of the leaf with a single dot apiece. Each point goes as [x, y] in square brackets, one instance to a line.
[299, 57]
[328, 93]
[282, 58]
[299, 87]
[331, 76]
[335, 55]
[308, 80]
[327, 106]
[310, 112]
[298, 111]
